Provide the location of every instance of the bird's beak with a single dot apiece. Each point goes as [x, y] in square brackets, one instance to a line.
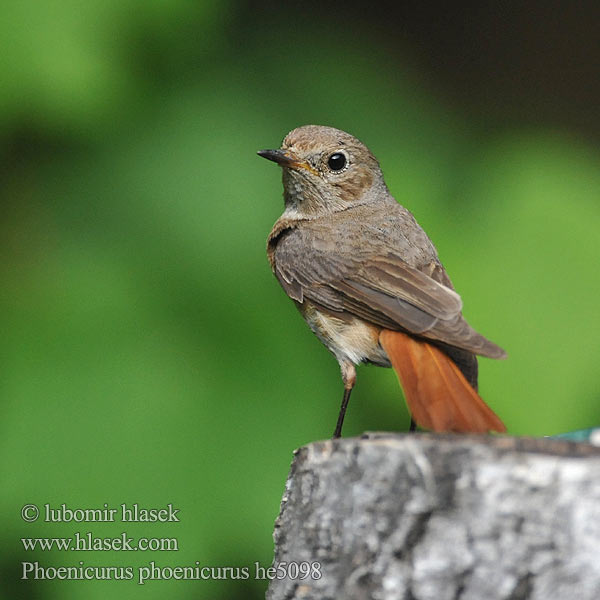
[278, 156]
[285, 160]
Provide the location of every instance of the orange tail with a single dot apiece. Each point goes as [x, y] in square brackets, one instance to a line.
[437, 393]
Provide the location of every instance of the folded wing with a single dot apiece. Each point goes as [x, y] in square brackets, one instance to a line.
[383, 290]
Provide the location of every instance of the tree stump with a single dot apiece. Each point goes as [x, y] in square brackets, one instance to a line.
[440, 517]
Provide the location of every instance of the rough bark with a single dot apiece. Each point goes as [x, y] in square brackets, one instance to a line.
[441, 517]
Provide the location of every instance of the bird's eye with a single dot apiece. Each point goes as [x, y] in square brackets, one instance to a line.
[337, 161]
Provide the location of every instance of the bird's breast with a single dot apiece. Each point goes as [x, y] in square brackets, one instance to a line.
[345, 336]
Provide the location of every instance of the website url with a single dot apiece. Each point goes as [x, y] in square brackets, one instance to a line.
[89, 543]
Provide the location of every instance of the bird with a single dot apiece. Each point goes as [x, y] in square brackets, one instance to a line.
[369, 283]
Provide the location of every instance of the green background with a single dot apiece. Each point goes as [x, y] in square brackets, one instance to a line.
[149, 356]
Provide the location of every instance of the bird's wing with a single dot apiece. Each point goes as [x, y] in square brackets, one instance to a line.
[383, 290]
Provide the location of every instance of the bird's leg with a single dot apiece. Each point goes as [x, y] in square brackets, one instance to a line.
[338, 428]
[413, 425]
[349, 378]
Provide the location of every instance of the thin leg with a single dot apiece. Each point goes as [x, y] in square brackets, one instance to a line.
[413, 425]
[338, 428]
[349, 379]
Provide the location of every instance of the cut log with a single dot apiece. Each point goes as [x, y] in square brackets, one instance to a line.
[440, 517]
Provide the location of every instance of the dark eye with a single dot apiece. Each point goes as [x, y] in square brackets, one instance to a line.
[337, 161]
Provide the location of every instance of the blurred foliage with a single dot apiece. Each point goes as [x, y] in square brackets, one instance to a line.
[149, 356]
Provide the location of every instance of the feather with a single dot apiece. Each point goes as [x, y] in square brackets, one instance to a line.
[438, 395]
[383, 290]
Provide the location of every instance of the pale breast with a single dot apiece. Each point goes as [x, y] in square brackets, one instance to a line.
[347, 338]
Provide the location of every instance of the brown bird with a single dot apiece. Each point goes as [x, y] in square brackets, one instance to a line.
[369, 283]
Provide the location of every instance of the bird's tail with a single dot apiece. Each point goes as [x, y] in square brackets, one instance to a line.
[438, 395]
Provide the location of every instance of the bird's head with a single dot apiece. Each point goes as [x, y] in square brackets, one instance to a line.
[325, 170]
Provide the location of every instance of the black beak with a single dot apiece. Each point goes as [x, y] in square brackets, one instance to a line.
[277, 156]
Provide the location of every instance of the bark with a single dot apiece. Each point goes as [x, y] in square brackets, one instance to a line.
[440, 517]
